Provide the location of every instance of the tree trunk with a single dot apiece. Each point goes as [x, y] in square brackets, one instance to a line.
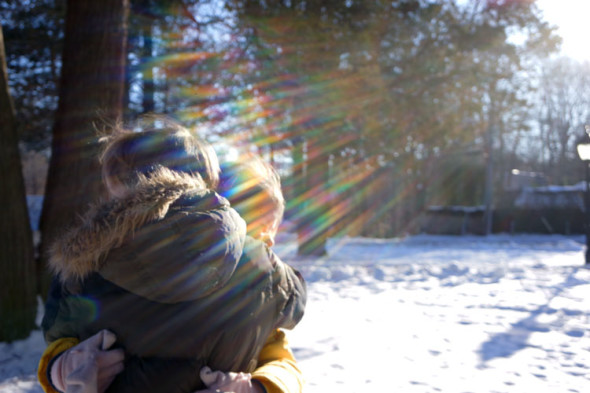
[299, 187]
[17, 280]
[91, 95]
[312, 230]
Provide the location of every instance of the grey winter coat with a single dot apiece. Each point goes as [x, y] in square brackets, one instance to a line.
[172, 274]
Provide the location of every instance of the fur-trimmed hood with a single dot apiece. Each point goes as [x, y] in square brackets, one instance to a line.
[170, 240]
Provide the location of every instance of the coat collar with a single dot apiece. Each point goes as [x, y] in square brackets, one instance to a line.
[81, 250]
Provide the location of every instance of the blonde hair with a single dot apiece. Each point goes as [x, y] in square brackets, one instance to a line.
[253, 188]
[129, 154]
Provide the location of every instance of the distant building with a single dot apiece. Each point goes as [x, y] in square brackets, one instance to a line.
[528, 204]
[515, 181]
[531, 190]
[552, 197]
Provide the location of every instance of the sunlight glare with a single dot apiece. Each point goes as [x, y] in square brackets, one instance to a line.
[571, 18]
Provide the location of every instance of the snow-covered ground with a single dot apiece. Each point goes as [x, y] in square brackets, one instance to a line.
[427, 314]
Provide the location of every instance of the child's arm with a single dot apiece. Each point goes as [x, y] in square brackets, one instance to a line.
[67, 363]
[53, 350]
[56, 346]
[277, 369]
[285, 285]
[65, 354]
[277, 372]
[290, 286]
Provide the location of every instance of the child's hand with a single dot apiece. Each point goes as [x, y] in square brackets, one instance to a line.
[220, 382]
[88, 367]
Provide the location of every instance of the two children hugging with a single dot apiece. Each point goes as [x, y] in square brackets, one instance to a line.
[164, 282]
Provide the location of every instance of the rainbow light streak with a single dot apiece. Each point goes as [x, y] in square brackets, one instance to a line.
[330, 206]
[268, 101]
[179, 59]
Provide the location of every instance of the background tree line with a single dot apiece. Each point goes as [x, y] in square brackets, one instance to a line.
[372, 111]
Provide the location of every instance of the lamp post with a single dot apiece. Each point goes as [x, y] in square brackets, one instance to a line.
[584, 153]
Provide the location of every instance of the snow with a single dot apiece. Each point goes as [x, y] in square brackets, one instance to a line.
[426, 314]
[35, 205]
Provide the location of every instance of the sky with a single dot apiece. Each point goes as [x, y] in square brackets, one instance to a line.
[572, 17]
[423, 314]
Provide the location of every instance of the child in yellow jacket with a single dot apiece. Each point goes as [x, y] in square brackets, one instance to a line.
[253, 188]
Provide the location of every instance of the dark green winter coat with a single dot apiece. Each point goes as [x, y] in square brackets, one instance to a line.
[172, 274]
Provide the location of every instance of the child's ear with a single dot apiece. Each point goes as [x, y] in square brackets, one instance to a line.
[267, 238]
[267, 235]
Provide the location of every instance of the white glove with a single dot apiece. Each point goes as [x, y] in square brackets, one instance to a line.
[220, 382]
[88, 367]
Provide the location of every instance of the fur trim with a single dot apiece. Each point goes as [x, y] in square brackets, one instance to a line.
[105, 226]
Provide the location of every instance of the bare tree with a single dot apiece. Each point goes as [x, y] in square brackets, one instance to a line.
[17, 281]
[564, 110]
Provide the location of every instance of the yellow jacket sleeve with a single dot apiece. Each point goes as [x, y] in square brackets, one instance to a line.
[52, 350]
[277, 369]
